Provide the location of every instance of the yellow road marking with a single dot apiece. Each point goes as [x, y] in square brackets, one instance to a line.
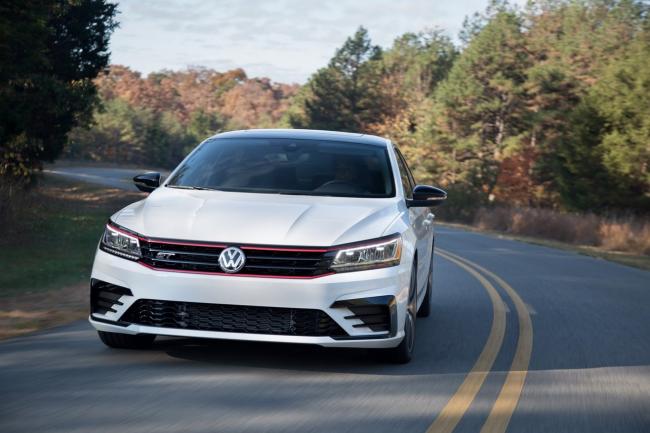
[456, 407]
[506, 402]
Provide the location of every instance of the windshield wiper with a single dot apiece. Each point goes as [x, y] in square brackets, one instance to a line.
[196, 188]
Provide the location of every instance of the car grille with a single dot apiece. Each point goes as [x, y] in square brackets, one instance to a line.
[375, 313]
[375, 317]
[260, 261]
[232, 318]
[104, 296]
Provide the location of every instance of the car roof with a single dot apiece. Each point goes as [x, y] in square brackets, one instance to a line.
[305, 134]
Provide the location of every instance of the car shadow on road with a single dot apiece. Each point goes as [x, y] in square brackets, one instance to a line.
[428, 359]
[284, 356]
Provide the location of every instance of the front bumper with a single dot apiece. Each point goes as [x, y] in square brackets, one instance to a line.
[336, 295]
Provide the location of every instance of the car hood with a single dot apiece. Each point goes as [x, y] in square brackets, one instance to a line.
[248, 218]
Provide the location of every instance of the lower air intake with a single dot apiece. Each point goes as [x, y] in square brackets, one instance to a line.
[105, 296]
[232, 318]
[377, 313]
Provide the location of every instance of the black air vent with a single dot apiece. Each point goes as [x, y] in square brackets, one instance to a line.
[375, 313]
[375, 317]
[232, 318]
[104, 296]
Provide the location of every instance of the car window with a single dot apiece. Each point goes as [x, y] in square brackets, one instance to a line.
[408, 169]
[288, 166]
[407, 179]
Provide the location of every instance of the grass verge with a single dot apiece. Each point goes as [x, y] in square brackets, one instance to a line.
[48, 253]
[629, 259]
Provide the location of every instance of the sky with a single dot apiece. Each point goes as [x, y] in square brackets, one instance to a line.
[285, 40]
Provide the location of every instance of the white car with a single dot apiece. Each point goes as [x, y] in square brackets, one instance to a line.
[290, 236]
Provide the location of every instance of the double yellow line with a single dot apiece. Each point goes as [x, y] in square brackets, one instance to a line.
[506, 402]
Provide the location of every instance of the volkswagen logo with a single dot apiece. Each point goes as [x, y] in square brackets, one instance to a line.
[232, 259]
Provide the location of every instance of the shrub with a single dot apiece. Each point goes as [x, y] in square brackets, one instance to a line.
[462, 204]
[615, 233]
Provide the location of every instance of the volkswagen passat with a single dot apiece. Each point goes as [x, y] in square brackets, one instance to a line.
[288, 236]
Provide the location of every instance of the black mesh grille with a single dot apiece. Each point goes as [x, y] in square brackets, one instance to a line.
[104, 296]
[232, 318]
[376, 313]
[375, 317]
[265, 262]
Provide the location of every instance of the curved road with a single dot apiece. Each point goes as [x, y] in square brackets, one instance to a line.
[522, 338]
[121, 178]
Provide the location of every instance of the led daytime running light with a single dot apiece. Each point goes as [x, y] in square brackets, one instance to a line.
[369, 256]
[120, 244]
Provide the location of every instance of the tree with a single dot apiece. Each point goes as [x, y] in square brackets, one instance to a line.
[172, 111]
[571, 45]
[49, 53]
[473, 24]
[125, 133]
[604, 161]
[480, 109]
[256, 103]
[203, 125]
[345, 96]
[412, 69]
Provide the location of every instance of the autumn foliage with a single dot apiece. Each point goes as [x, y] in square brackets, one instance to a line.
[542, 106]
[545, 106]
[157, 119]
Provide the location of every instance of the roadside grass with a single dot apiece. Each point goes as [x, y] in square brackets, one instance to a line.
[54, 232]
[25, 313]
[640, 261]
[48, 250]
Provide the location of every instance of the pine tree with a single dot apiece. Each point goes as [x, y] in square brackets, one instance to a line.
[481, 107]
[412, 69]
[605, 158]
[49, 53]
[344, 96]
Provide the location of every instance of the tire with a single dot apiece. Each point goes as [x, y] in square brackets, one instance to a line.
[403, 353]
[126, 341]
[425, 307]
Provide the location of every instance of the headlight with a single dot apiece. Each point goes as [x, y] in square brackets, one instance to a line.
[121, 244]
[380, 254]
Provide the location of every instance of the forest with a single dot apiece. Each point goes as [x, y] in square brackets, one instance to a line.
[544, 108]
[548, 106]
[158, 119]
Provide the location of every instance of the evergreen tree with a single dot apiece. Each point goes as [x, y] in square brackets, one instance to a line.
[604, 161]
[203, 125]
[344, 96]
[571, 44]
[412, 69]
[481, 107]
[49, 52]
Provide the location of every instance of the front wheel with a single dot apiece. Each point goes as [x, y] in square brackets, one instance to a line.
[126, 341]
[403, 353]
[425, 307]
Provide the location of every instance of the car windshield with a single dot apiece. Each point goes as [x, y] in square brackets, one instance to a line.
[288, 166]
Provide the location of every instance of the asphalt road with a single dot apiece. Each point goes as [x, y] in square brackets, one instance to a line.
[584, 322]
[121, 178]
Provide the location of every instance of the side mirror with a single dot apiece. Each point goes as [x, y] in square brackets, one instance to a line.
[426, 196]
[147, 182]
